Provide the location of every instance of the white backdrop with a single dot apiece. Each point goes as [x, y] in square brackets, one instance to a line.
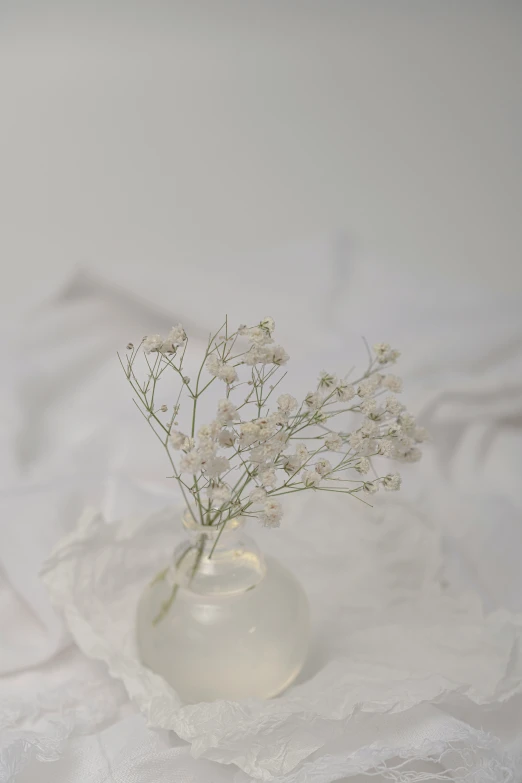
[138, 136]
[158, 145]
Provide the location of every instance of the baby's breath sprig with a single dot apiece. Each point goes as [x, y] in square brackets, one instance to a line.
[260, 447]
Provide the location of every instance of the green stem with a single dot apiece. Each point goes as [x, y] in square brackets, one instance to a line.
[214, 545]
[165, 606]
[199, 555]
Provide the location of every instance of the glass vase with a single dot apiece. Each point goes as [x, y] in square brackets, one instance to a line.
[223, 622]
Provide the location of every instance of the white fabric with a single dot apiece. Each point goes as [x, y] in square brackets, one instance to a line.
[402, 637]
[415, 668]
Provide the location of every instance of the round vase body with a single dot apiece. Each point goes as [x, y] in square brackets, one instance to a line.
[224, 623]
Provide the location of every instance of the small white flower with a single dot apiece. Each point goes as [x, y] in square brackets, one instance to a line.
[253, 356]
[356, 441]
[405, 449]
[407, 421]
[381, 349]
[220, 495]
[404, 441]
[370, 487]
[393, 383]
[275, 354]
[178, 440]
[191, 462]
[369, 386]
[259, 454]
[275, 445]
[410, 455]
[326, 380]
[363, 466]
[386, 447]
[268, 477]
[393, 405]
[278, 418]
[217, 368]
[207, 449]
[344, 391]
[258, 495]
[258, 335]
[266, 428]
[385, 354]
[369, 406]
[302, 453]
[333, 441]
[227, 373]
[152, 343]
[323, 467]
[313, 400]
[296, 461]
[226, 412]
[215, 466]
[213, 364]
[175, 338]
[392, 482]
[287, 403]
[272, 513]
[249, 433]
[369, 448]
[226, 439]
[209, 430]
[370, 429]
[311, 478]
[420, 434]
[268, 324]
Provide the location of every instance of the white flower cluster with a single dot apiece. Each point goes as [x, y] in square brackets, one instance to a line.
[262, 349]
[157, 344]
[201, 454]
[222, 370]
[264, 445]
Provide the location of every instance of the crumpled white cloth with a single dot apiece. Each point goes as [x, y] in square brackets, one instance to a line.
[416, 608]
[401, 638]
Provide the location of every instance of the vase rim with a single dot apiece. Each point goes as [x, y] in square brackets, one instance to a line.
[194, 526]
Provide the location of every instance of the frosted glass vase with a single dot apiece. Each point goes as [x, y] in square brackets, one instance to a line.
[227, 625]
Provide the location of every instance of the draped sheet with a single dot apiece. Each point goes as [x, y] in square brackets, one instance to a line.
[415, 669]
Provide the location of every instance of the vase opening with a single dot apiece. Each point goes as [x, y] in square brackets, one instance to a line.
[218, 559]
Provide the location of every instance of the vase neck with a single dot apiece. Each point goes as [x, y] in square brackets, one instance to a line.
[213, 537]
[218, 560]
